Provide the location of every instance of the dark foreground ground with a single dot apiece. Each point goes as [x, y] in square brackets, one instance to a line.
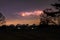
[41, 32]
[29, 36]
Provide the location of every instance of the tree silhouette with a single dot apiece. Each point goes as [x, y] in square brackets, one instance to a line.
[2, 19]
[51, 14]
[56, 5]
[43, 19]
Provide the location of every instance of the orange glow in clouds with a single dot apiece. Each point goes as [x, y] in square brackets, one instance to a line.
[36, 13]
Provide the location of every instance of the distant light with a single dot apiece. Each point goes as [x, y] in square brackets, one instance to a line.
[32, 28]
[19, 28]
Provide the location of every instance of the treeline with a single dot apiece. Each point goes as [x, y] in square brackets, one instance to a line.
[31, 28]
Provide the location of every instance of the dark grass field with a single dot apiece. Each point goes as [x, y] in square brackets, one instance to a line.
[29, 36]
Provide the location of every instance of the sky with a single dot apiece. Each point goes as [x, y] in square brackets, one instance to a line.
[23, 11]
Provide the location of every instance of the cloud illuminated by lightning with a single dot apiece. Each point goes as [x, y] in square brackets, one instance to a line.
[34, 13]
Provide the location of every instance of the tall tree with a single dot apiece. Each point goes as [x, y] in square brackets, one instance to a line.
[51, 14]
